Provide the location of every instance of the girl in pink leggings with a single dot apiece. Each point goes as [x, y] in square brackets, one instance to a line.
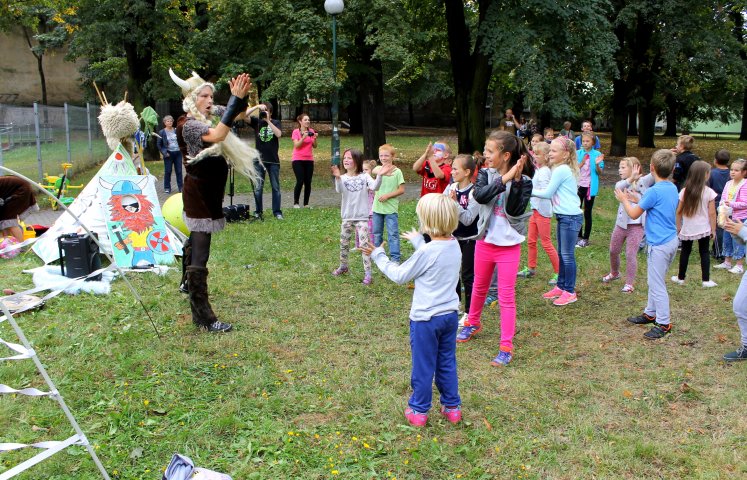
[499, 244]
[626, 230]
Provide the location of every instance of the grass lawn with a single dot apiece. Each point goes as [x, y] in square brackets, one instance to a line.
[313, 381]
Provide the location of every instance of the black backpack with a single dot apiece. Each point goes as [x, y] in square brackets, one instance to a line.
[236, 213]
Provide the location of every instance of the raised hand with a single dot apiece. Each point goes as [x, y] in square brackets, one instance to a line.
[429, 150]
[410, 235]
[636, 172]
[240, 85]
[335, 171]
[386, 169]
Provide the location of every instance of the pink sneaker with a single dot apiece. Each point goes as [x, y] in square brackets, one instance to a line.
[565, 299]
[367, 280]
[341, 270]
[554, 293]
[452, 414]
[414, 418]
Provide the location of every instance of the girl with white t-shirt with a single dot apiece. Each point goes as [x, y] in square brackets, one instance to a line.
[696, 221]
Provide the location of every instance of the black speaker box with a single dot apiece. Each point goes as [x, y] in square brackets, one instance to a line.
[79, 255]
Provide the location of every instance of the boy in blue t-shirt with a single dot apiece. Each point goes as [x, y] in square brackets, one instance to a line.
[660, 205]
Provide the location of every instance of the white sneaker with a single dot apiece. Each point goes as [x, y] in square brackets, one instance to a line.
[677, 280]
[296, 205]
[723, 266]
[709, 284]
[736, 269]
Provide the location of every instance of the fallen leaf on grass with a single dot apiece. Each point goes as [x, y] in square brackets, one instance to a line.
[535, 334]
[487, 424]
[685, 388]
[136, 453]
[34, 428]
[627, 394]
[721, 338]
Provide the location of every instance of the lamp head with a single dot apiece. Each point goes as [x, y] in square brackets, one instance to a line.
[334, 7]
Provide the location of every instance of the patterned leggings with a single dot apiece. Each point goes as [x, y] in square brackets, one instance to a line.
[632, 237]
[346, 233]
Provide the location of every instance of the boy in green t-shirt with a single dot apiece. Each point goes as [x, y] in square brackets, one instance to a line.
[386, 203]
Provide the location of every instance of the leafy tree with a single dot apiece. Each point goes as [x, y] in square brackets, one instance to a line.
[674, 57]
[543, 48]
[129, 45]
[45, 25]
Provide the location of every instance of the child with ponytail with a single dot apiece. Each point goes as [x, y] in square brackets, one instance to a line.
[499, 243]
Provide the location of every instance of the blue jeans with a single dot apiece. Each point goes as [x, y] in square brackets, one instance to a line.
[733, 248]
[392, 231]
[568, 226]
[433, 345]
[273, 171]
[175, 159]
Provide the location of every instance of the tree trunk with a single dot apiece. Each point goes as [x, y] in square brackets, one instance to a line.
[647, 121]
[139, 62]
[671, 115]
[471, 73]
[371, 94]
[647, 63]
[619, 118]
[410, 113]
[39, 65]
[632, 121]
[354, 117]
[743, 131]
[620, 94]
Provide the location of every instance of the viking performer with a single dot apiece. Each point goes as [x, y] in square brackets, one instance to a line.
[207, 146]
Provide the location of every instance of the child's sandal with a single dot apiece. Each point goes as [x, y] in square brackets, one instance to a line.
[609, 277]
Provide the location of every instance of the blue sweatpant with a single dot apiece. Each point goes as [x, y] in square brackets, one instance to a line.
[433, 345]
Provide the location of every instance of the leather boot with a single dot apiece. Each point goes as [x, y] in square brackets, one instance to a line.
[186, 260]
[202, 313]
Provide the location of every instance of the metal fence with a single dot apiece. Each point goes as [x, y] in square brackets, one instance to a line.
[36, 140]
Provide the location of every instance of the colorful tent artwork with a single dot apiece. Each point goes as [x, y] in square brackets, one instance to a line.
[135, 224]
[87, 207]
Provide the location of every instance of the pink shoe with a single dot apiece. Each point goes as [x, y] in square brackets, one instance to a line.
[341, 270]
[452, 414]
[554, 293]
[367, 280]
[414, 418]
[565, 299]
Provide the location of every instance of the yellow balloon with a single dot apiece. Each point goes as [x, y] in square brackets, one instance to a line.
[172, 210]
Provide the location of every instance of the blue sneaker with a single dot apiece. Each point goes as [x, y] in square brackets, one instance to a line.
[503, 359]
[490, 300]
[466, 333]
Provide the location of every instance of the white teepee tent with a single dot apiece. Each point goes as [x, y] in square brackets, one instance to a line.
[88, 207]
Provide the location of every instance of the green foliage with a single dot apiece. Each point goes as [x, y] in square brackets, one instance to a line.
[557, 55]
[146, 36]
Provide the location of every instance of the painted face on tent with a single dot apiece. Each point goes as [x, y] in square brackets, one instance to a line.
[133, 210]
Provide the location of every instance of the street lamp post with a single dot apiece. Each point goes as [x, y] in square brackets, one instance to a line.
[334, 8]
